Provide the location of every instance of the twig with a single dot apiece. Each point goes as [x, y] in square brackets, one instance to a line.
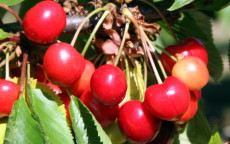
[23, 73]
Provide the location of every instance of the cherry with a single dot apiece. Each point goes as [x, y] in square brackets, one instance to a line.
[103, 113]
[83, 82]
[62, 64]
[191, 111]
[190, 47]
[9, 93]
[136, 123]
[197, 94]
[192, 71]
[39, 74]
[44, 22]
[108, 84]
[167, 101]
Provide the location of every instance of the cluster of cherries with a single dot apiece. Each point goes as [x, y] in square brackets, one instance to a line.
[102, 89]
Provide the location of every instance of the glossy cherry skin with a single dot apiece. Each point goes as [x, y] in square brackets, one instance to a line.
[44, 22]
[167, 101]
[83, 83]
[104, 114]
[192, 71]
[62, 64]
[108, 84]
[191, 111]
[136, 123]
[39, 74]
[190, 47]
[9, 93]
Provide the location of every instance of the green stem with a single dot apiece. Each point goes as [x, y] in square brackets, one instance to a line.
[122, 44]
[166, 52]
[84, 21]
[28, 71]
[145, 75]
[7, 69]
[163, 17]
[94, 31]
[127, 76]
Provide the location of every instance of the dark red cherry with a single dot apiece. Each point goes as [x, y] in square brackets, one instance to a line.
[167, 101]
[136, 123]
[9, 93]
[39, 74]
[103, 113]
[108, 84]
[44, 22]
[62, 64]
[83, 83]
[190, 47]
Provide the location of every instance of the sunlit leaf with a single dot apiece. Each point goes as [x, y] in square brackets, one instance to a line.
[21, 127]
[179, 3]
[10, 2]
[50, 119]
[3, 122]
[86, 128]
[3, 34]
[215, 139]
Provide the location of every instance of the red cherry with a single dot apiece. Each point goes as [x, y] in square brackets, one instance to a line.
[66, 101]
[40, 74]
[104, 114]
[191, 111]
[62, 64]
[44, 22]
[191, 47]
[83, 83]
[9, 93]
[192, 71]
[167, 101]
[108, 84]
[136, 123]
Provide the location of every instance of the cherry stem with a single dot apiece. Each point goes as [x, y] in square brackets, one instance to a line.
[155, 54]
[122, 44]
[166, 52]
[129, 15]
[84, 21]
[12, 12]
[145, 74]
[163, 17]
[127, 76]
[28, 71]
[12, 56]
[23, 72]
[94, 31]
[7, 70]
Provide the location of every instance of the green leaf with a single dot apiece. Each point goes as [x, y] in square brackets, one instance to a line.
[21, 127]
[51, 120]
[198, 25]
[179, 3]
[3, 34]
[215, 139]
[10, 2]
[213, 5]
[3, 122]
[197, 130]
[86, 128]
